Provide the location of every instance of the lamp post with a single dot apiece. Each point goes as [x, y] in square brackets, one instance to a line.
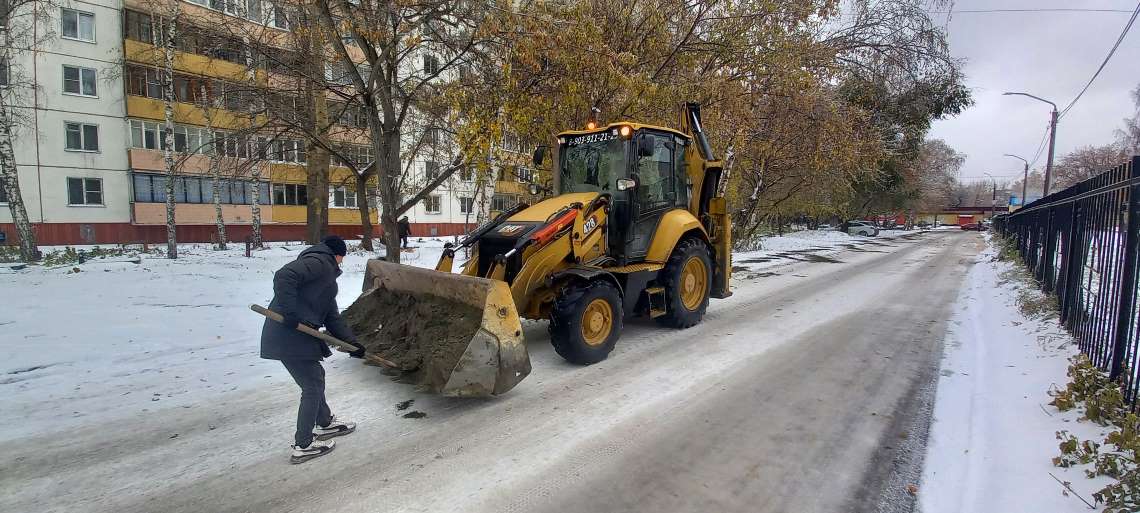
[1024, 181]
[1052, 137]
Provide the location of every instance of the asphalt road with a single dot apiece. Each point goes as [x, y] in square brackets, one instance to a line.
[807, 391]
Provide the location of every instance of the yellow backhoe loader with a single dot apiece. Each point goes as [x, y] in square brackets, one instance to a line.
[634, 228]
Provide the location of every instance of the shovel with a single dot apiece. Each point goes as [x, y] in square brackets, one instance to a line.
[331, 340]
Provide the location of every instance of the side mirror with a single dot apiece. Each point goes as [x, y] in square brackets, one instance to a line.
[539, 156]
[534, 189]
[645, 147]
[625, 184]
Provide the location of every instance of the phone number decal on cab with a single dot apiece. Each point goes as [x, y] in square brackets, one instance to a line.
[591, 138]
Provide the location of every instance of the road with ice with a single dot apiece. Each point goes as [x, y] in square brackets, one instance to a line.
[808, 390]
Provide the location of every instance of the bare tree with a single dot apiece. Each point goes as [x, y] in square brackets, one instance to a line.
[17, 37]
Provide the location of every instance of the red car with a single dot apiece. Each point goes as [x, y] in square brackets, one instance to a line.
[978, 227]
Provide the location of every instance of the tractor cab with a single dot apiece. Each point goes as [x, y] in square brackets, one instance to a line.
[641, 168]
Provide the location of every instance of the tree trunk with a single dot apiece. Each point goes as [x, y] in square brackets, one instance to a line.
[9, 173]
[317, 167]
[255, 206]
[388, 162]
[168, 132]
[365, 215]
[317, 202]
[215, 172]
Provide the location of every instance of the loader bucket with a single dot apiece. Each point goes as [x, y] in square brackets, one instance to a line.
[452, 334]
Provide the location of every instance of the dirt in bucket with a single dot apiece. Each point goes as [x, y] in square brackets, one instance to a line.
[424, 335]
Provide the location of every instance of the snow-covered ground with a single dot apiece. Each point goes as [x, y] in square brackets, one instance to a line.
[813, 245]
[993, 436]
[118, 339]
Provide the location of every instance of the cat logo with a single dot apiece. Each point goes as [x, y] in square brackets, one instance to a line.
[590, 224]
[510, 229]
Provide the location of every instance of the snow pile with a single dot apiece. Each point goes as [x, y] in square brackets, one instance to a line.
[993, 434]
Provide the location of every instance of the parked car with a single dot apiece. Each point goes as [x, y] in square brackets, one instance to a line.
[825, 226]
[863, 228]
[977, 227]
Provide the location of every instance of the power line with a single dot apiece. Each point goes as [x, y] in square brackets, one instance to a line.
[1127, 27]
[1040, 147]
[1046, 10]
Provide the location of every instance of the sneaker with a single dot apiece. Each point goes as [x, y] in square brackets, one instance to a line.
[315, 449]
[334, 429]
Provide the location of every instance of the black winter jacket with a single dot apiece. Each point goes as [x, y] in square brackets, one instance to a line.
[305, 289]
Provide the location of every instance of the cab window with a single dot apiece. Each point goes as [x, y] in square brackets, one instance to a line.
[656, 188]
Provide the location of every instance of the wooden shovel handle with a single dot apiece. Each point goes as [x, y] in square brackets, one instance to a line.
[331, 340]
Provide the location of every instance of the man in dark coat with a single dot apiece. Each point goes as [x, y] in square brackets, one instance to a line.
[304, 291]
[405, 230]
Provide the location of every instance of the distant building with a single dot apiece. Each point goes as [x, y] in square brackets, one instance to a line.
[960, 215]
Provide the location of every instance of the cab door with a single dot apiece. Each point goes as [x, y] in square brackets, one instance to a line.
[658, 169]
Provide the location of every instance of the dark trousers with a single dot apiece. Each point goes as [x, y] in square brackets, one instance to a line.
[404, 240]
[310, 376]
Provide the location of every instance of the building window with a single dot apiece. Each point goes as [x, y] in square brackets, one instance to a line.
[81, 137]
[280, 18]
[523, 175]
[431, 64]
[150, 188]
[467, 173]
[503, 202]
[3, 69]
[84, 191]
[78, 25]
[342, 197]
[431, 170]
[432, 204]
[290, 194]
[146, 135]
[3, 191]
[466, 205]
[287, 150]
[80, 81]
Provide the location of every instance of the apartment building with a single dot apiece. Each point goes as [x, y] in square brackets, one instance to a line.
[91, 161]
[67, 96]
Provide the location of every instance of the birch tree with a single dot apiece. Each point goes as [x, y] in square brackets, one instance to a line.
[18, 36]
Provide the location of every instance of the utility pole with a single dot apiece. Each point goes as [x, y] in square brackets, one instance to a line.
[1052, 137]
[1024, 181]
[1052, 143]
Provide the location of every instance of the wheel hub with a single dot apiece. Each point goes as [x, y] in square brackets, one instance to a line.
[597, 322]
[694, 283]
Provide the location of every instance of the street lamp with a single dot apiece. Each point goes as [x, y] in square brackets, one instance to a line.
[1025, 180]
[1052, 137]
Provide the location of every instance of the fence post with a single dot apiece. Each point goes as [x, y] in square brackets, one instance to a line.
[1128, 278]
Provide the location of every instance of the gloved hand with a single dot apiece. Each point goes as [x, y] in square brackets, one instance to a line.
[290, 322]
[359, 352]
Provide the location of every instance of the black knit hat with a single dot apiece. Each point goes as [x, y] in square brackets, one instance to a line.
[336, 244]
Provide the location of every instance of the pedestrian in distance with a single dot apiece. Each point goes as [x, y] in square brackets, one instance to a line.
[304, 292]
[405, 230]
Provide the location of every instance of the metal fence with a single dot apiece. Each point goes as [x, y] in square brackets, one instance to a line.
[1081, 245]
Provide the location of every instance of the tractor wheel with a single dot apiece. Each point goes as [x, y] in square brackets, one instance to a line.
[586, 320]
[687, 278]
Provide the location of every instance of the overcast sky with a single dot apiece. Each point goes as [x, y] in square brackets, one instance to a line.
[1048, 54]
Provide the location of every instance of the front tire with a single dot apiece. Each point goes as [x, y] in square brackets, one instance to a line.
[586, 321]
[687, 278]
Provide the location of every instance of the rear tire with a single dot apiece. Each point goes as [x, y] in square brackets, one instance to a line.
[686, 292]
[586, 321]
